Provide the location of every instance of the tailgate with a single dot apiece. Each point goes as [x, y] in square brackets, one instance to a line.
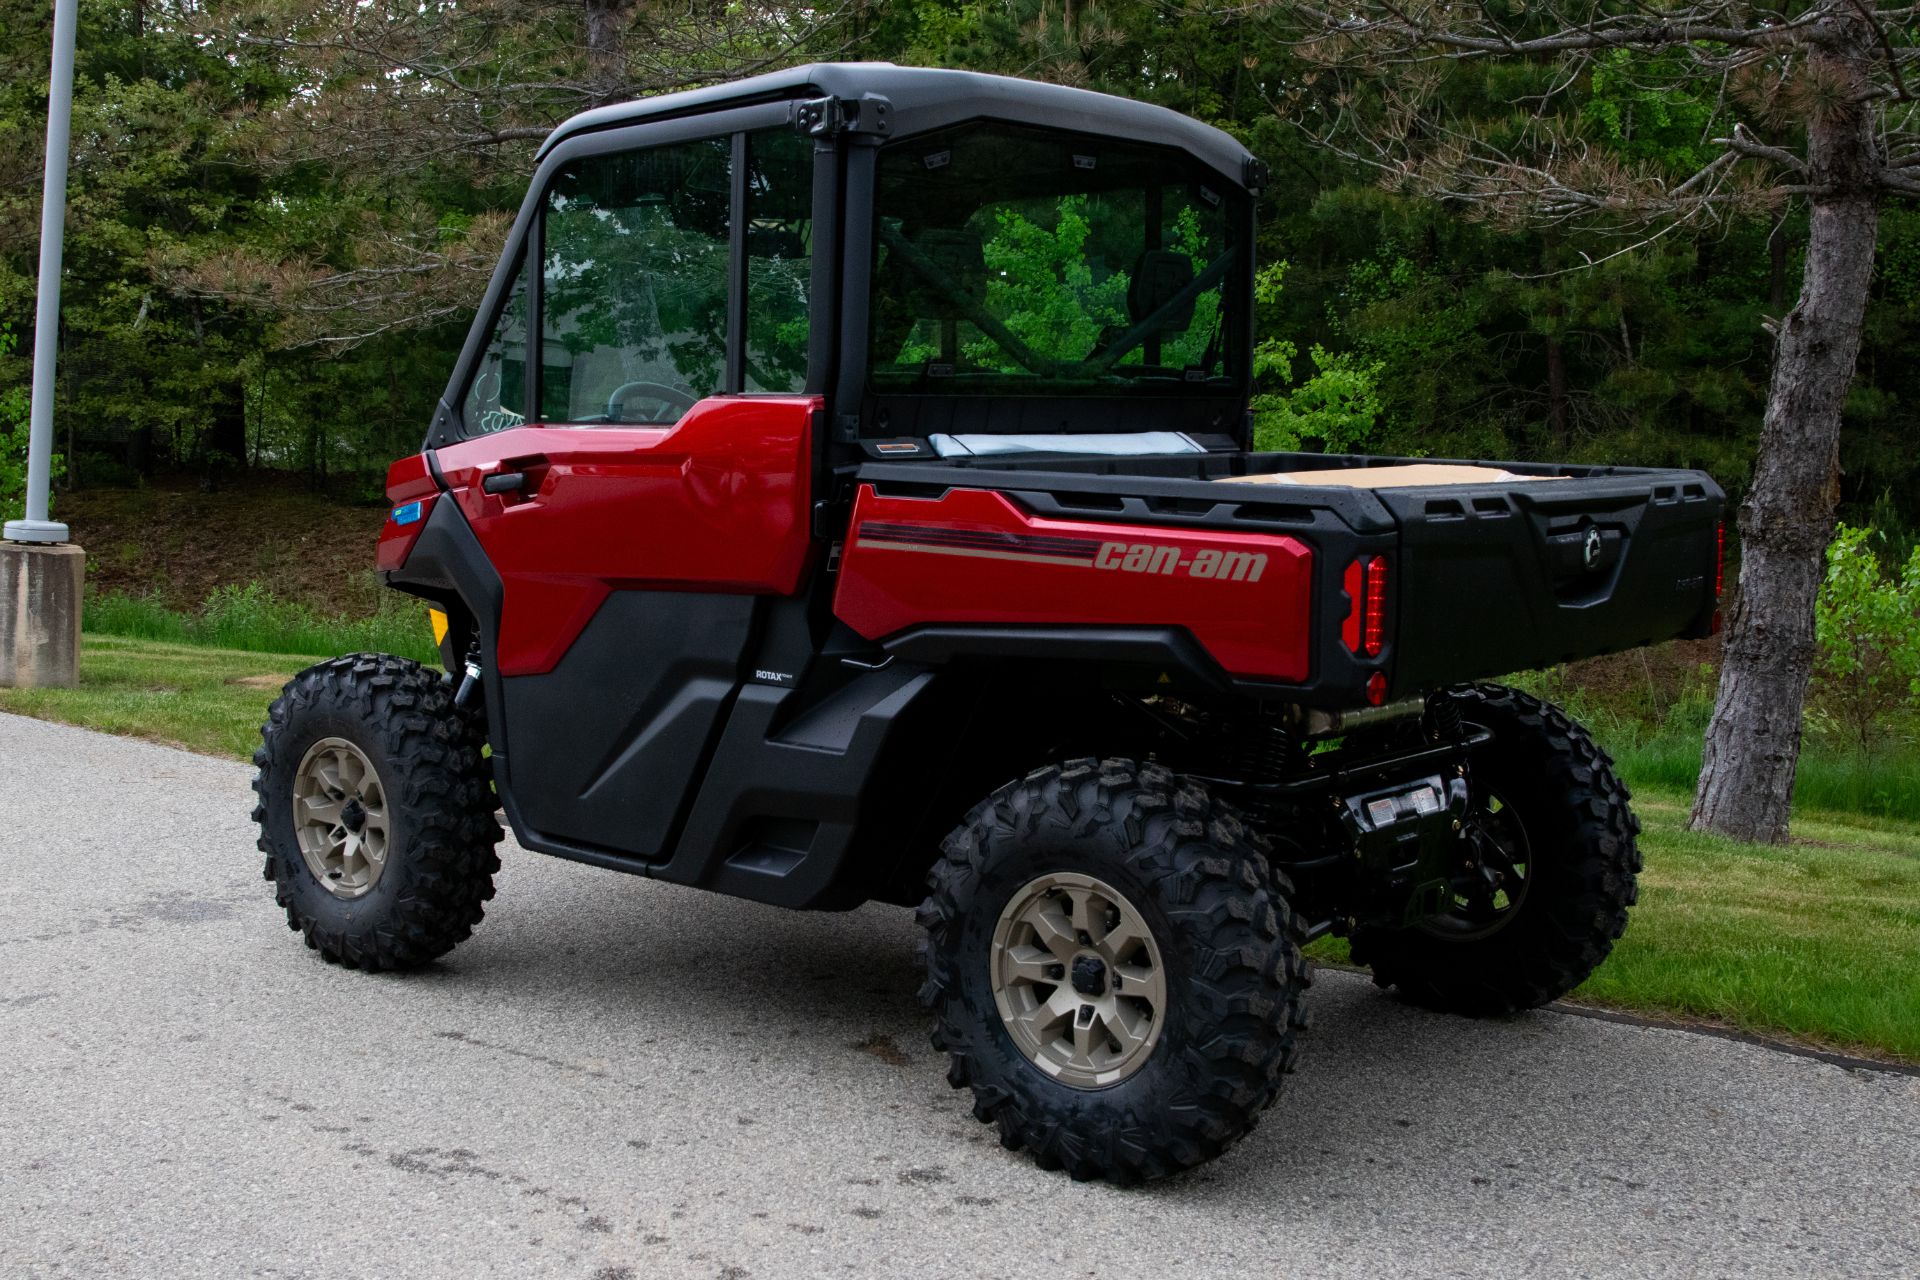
[1503, 577]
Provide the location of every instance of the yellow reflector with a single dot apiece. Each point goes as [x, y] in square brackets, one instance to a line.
[439, 621]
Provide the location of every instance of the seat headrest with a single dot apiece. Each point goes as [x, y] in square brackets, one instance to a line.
[1158, 278]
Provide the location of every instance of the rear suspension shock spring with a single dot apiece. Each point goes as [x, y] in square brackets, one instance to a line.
[1260, 748]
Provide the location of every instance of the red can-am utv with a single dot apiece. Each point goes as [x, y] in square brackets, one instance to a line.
[847, 493]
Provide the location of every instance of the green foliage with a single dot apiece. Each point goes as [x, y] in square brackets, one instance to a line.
[1336, 407]
[251, 618]
[1643, 106]
[1053, 280]
[1828, 779]
[1867, 632]
[150, 179]
[13, 442]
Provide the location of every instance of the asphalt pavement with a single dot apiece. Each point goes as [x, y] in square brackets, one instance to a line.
[616, 1078]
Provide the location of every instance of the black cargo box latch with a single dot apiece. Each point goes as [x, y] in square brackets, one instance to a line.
[1589, 549]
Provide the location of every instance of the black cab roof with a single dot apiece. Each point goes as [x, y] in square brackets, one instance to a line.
[923, 98]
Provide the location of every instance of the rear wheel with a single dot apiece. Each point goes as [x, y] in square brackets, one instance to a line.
[1548, 872]
[375, 812]
[1113, 969]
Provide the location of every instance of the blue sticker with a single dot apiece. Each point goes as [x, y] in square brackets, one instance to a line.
[407, 514]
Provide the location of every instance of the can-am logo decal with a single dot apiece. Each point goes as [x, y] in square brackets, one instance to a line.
[1209, 562]
[1127, 557]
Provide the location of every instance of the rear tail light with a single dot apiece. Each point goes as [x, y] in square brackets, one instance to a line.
[1356, 584]
[1373, 624]
[1365, 630]
[1377, 689]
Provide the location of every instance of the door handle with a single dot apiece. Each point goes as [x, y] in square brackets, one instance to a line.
[504, 482]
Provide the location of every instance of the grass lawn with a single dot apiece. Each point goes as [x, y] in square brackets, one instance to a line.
[206, 700]
[1819, 940]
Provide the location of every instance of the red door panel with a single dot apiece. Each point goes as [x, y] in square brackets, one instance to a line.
[972, 556]
[718, 502]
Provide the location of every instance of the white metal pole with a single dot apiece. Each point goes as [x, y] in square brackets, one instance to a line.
[46, 324]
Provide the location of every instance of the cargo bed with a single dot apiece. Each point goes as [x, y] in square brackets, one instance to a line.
[1532, 565]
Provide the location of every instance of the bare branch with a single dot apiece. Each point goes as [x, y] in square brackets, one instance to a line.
[1604, 32]
[1745, 144]
[1588, 263]
[1872, 19]
[389, 92]
[1387, 102]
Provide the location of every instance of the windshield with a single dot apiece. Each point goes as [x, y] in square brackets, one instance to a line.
[1036, 261]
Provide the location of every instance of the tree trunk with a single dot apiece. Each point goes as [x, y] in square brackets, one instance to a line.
[606, 48]
[1752, 746]
[1559, 424]
[223, 447]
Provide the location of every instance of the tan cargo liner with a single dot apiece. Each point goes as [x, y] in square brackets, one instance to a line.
[1419, 473]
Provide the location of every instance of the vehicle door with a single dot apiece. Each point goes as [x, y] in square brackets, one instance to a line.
[636, 463]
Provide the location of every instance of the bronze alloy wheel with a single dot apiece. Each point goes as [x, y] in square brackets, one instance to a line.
[340, 817]
[376, 812]
[1113, 968]
[1078, 980]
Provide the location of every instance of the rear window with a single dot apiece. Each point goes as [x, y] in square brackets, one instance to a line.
[1020, 260]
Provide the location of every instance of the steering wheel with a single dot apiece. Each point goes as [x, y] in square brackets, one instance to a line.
[659, 392]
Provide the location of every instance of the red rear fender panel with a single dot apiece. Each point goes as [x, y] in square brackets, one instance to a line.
[973, 556]
[718, 502]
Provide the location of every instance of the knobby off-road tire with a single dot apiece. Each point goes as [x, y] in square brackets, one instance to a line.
[436, 803]
[1583, 861]
[1225, 940]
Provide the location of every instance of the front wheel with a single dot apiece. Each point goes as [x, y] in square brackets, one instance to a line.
[1547, 874]
[375, 812]
[1113, 969]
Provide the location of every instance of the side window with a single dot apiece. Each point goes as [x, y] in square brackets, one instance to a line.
[634, 284]
[779, 258]
[497, 397]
